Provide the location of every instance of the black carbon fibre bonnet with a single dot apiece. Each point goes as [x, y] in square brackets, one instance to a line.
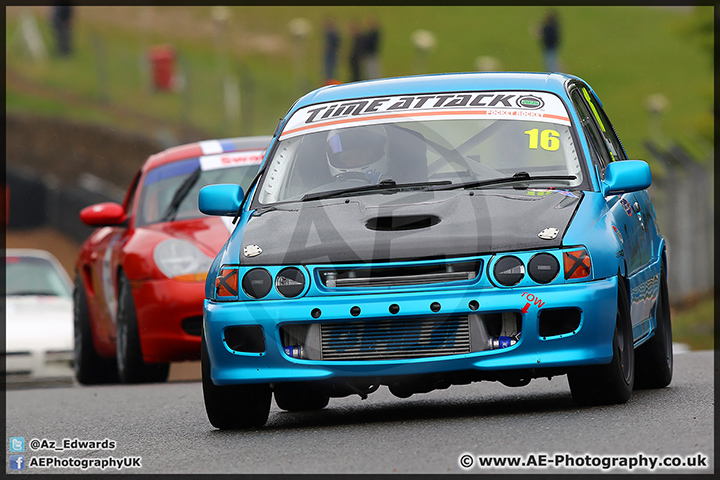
[407, 226]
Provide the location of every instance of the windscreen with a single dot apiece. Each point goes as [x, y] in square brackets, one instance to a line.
[170, 192]
[435, 139]
[33, 276]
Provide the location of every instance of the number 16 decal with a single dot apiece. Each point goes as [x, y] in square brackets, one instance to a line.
[547, 139]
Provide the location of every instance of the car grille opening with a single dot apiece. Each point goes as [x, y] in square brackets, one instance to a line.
[392, 338]
[558, 321]
[395, 338]
[400, 276]
[59, 356]
[192, 325]
[246, 338]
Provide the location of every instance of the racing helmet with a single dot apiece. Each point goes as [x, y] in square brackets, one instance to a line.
[357, 152]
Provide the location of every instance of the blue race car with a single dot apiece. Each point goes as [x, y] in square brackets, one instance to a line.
[433, 230]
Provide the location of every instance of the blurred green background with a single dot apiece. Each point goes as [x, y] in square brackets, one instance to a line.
[627, 54]
[238, 69]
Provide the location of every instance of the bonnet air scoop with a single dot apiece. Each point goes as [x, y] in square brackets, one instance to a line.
[405, 222]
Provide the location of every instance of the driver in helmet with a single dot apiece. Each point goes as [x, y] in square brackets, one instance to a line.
[357, 153]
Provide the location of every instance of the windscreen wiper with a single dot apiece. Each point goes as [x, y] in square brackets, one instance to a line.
[518, 177]
[386, 185]
[180, 195]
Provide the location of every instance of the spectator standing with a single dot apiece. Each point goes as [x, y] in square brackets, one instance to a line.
[332, 46]
[550, 40]
[371, 61]
[357, 51]
[61, 19]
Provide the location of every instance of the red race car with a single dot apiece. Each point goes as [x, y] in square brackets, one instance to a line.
[140, 277]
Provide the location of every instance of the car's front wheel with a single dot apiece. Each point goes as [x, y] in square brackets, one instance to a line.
[231, 407]
[299, 397]
[90, 368]
[130, 364]
[612, 383]
[655, 357]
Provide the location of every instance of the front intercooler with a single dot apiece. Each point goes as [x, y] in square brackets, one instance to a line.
[395, 338]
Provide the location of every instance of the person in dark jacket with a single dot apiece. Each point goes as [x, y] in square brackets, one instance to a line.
[332, 46]
[61, 19]
[371, 62]
[550, 40]
[357, 51]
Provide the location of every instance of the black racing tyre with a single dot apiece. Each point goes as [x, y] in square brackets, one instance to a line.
[90, 368]
[654, 358]
[611, 383]
[299, 397]
[131, 367]
[232, 407]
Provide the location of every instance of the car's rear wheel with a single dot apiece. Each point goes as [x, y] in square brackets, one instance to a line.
[233, 406]
[612, 383]
[655, 357]
[131, 367]
[90, 368]
[299, 397]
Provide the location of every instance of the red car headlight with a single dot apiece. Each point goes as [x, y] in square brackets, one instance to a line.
[181, 260]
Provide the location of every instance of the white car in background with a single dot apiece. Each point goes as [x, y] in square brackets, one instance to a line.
[39, 317]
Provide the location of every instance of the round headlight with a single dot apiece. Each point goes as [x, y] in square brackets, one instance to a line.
[543, 268]
[509, 271]
[181, 260]
[257, 283]
[290, 282]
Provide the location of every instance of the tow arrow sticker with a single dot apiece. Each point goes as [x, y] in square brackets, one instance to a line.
[531, 299]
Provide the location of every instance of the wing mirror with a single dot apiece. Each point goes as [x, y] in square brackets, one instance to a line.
[107, 214]
[223, 199]
[626, 176]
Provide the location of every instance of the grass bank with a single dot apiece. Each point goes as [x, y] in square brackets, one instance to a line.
[626, 53]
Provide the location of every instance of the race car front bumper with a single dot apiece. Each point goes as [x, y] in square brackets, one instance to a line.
[169, 315]
[267, 357]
